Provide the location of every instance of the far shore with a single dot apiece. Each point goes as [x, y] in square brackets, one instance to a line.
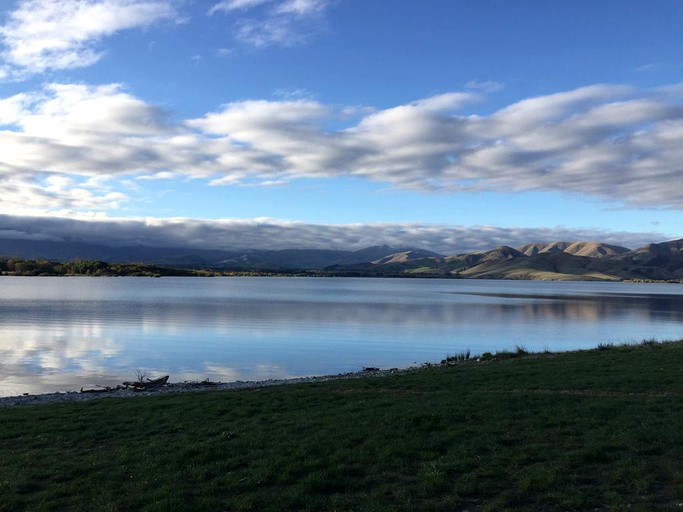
[96, 268]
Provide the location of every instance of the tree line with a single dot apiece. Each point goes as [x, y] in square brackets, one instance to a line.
[80, 267]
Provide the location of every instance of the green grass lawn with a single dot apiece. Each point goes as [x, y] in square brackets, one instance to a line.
[594, 430]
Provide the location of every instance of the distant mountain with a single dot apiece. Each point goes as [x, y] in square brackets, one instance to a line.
[406, 256]
[663, 261]
[548, 261]
[542, 247]
[541, 261]
[666, 253]
[287, 259]
[590, 249]
[314, 259]
[253, 259]
[494, 256]
[548, 266]
[395, 263]
[426, 263]
[65, 251]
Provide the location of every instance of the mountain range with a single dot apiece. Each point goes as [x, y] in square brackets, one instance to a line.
[539, 261]
[247, 259]
[546, 261]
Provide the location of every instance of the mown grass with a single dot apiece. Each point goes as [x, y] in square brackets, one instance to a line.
[593, 430]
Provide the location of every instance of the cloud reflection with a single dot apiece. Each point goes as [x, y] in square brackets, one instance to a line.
[65, 357]
[258, 329]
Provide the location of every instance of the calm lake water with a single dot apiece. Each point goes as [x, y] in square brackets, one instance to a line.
[64, 333]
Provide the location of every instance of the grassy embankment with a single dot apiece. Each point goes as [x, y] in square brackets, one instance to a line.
[593, 430]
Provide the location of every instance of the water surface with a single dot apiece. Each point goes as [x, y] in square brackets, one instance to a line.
[64, 333]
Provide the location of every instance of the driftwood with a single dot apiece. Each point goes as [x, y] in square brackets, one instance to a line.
[150, 384]
[103, 389]
[206, 382]
[135, 386]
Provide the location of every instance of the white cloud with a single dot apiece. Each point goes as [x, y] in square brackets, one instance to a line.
[11, 109]
[60, 34]
[225, 52]
[484, 86]
[233, 5]
[32, 194]
[264, 23]
[302, 7]
[608, 141]
[266, 233]
[74, 131]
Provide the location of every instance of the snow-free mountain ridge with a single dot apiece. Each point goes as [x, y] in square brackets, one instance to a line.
[554, 260]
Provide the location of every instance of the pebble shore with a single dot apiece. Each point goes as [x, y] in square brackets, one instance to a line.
[184, 387]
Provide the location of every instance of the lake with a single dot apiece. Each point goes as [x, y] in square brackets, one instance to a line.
[59, 334]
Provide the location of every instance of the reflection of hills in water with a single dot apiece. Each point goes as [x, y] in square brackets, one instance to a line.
[227, 314]
[91, 332]
[586, 307]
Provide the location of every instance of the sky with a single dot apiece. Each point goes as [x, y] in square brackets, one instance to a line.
[450, 125]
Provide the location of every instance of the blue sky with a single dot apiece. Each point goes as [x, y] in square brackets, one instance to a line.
[455, 125]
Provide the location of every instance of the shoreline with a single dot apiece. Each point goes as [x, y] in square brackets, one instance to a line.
[189, 387]
[582, 430]
[322, 274]
[462, 358]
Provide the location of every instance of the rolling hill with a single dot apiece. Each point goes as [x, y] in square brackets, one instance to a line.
[541, 261]
[228, 259]
[590, 249]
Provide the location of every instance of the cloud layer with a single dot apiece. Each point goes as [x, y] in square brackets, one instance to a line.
[264, 23]
[48, 35]
[62, 143]
[236, 234]
[40, 35]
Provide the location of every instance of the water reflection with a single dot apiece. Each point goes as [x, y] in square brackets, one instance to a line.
[34, 360]
[81, 315]
[59, 334]
[600, 308]
[595, 306]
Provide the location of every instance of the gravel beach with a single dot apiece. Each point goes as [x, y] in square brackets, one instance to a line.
[183, 387]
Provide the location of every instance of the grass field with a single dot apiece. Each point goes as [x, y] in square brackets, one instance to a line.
[592, 430]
